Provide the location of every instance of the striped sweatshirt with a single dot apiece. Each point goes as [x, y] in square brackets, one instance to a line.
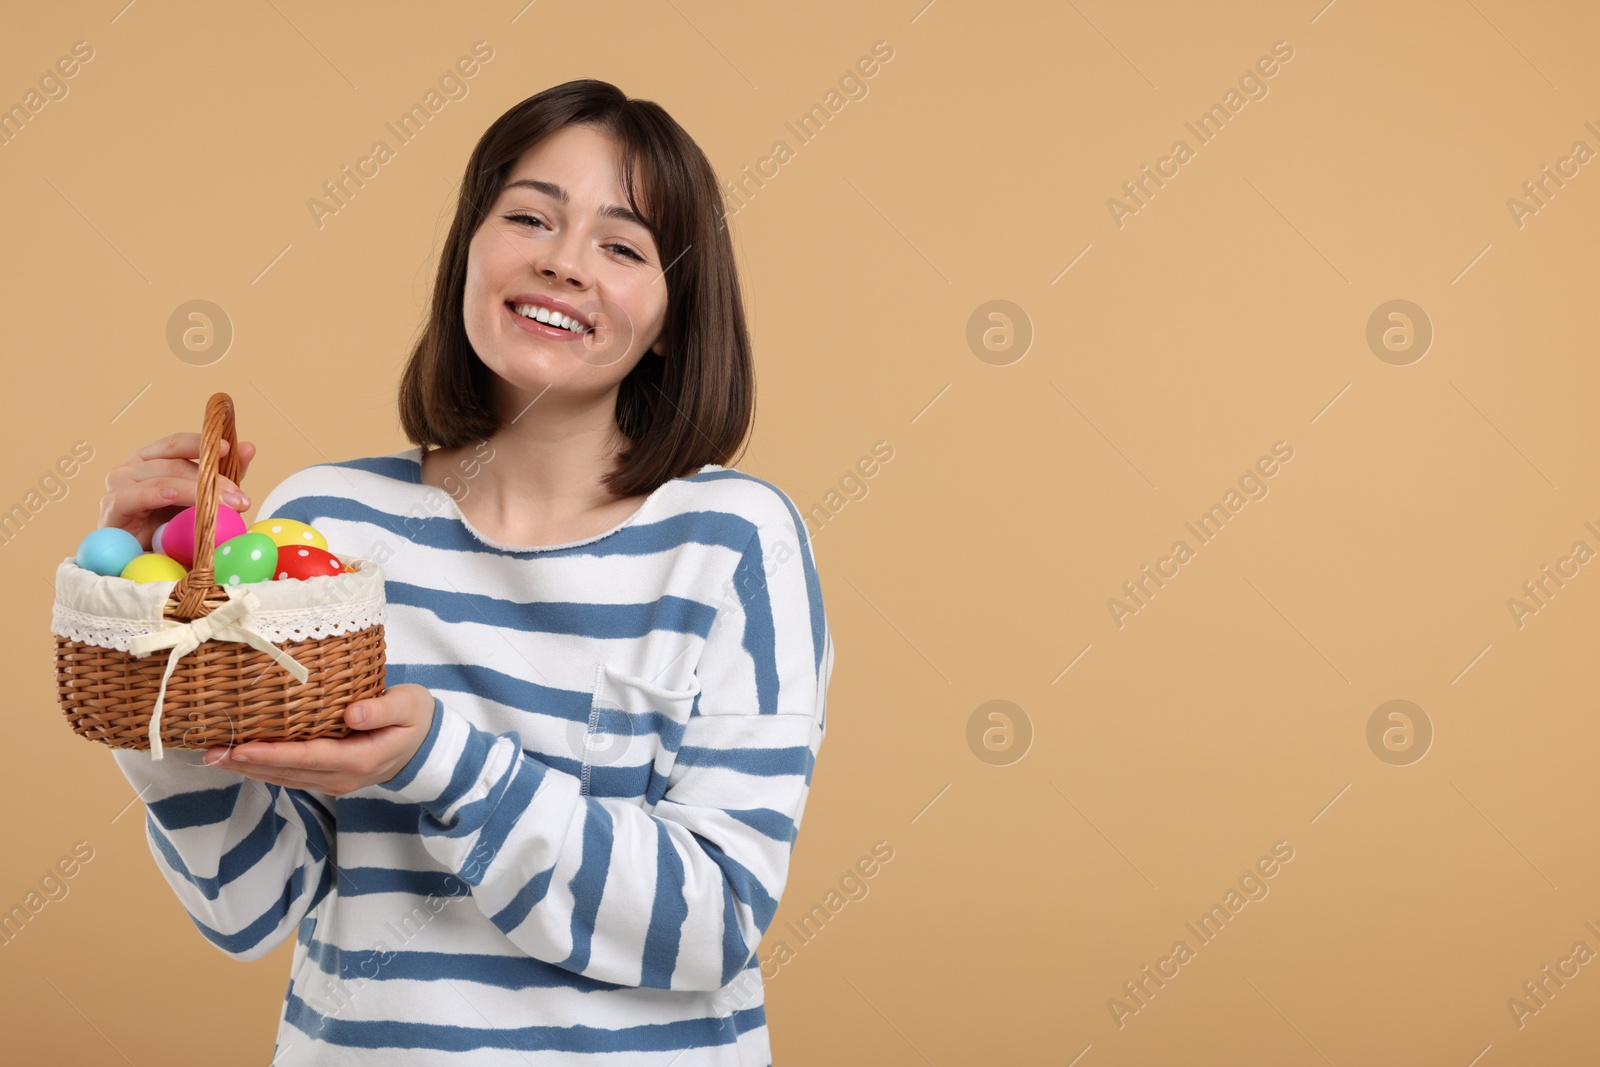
[579, 863]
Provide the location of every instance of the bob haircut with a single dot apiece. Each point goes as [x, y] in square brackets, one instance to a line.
[692, 406]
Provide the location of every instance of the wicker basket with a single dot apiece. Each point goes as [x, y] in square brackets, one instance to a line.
[269, 661]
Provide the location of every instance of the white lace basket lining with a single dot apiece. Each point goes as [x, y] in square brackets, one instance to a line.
[109, 612]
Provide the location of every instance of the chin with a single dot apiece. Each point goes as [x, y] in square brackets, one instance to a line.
[535, 376]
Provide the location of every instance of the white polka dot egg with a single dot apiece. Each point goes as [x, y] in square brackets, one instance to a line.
[308, 562]
[286, 532]
[250, 557]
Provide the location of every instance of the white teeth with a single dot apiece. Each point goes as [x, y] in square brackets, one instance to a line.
[545, 315]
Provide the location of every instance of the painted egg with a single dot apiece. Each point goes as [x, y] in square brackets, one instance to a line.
[290, 532]
[155, 539]
[250, 557]
[153, 567]
[177, 539]
[107, 550]
[306, 562]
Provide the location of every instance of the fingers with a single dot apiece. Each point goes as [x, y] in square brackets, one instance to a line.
[127, 508]
[221, 757]
[139, 470]
[247, 452]
[324, 755]
[185, 445]
[262, 774]
[182, 474]
[165, 475]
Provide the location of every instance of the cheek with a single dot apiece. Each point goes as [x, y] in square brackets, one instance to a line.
[491, 260]
[646, 304]
[477, 306]
[475, 323]
[480, 270]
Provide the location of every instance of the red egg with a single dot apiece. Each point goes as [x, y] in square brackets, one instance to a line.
[307, 561]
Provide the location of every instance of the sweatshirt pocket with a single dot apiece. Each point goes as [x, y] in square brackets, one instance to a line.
[630, 741]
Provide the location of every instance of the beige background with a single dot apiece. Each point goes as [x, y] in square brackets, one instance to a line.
[1230, 312]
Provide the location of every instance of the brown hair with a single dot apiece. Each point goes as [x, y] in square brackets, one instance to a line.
[693, 406]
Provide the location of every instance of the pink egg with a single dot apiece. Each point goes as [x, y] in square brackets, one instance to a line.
[177, 539]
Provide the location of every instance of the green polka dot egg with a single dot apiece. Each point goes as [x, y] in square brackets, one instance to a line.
[250, 557]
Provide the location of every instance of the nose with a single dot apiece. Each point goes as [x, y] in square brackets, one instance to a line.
[560, 259]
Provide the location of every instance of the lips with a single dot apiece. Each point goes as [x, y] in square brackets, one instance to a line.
[540, 300]
[541, 329]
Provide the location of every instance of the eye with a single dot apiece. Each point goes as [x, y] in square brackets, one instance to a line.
[530, 219]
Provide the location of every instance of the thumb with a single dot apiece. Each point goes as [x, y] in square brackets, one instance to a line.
[368, 714]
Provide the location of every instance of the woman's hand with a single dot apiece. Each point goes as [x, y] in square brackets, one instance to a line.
[161, 479]
[389, 731]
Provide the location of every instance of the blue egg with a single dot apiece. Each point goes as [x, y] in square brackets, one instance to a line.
[108, 550]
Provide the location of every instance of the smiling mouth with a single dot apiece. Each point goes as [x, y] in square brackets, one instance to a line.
[550, 318]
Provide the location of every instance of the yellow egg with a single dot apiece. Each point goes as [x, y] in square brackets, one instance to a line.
[153, 567]
[285, 532]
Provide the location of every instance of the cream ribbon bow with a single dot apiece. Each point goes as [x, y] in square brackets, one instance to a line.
[186, 637]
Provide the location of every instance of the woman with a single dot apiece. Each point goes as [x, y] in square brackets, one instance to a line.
[565, 826]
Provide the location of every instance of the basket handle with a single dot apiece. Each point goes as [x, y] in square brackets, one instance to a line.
[200, 582]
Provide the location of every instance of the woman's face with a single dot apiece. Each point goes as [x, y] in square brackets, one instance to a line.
[556, 239]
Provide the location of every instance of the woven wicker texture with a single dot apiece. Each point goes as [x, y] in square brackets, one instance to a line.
[223, 692]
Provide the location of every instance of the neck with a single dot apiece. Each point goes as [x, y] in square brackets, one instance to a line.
[544, 463]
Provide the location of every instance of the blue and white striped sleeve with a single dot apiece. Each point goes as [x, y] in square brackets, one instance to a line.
[247, 860]
[674, 898]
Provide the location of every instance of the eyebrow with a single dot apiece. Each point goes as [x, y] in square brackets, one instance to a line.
[551, 189]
